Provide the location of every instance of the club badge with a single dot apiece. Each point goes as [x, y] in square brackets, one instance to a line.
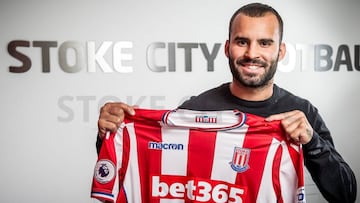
[240, 160]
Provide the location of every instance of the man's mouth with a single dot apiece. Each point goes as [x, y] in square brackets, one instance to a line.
[252, 64]
[253, 67]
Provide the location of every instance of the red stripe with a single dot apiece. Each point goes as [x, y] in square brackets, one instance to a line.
[298, 161]
[259, 145]
[201, 152]
[276, 174]
[125, 162]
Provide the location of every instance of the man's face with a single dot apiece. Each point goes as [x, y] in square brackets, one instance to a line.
[254, 49]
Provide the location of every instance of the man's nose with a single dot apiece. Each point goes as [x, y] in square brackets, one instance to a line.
[252, 51]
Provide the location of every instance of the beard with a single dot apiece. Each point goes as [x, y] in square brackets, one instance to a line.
[252, 80]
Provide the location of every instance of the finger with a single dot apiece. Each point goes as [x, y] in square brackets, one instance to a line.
[301, 134]
[294, 121]
[110, 121]
[111, 116]
[117, 108]
[291, 129]
[290, 125]
[104, 125]
[101, 133]
[294, 125]
[295, 136]
[124, 108]
[129, 109]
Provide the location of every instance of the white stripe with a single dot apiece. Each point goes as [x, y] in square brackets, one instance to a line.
[118, 146]
[132, 178]
[99, 196]
[267, 193]
[174, 162]
[168, 156]
[288, 176]
[224, 151]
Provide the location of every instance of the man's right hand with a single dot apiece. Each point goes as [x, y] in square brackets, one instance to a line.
[111, 116]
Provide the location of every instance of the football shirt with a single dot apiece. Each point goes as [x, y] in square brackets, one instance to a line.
[168, 156]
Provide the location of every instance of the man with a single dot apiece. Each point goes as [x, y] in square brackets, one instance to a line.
[253, 49]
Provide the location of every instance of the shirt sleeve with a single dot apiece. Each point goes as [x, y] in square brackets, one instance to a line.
[332, 175]
[105, 184]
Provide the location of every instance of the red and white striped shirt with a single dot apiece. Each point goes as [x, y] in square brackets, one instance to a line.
[162, 156]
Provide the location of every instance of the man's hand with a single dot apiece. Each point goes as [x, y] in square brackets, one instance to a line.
[111, 116]
[295, 124]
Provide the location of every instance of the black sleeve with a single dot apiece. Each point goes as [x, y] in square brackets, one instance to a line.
[332, 175]
[98, 144]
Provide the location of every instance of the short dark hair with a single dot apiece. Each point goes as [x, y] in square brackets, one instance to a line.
[257, 10]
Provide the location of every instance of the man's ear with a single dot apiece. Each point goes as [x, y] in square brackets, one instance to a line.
[282, 51]
[226, 48]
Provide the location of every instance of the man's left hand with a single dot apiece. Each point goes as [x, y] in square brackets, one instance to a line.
[295, 124]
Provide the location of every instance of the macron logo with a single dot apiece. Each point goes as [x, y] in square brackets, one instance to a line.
[165, 146]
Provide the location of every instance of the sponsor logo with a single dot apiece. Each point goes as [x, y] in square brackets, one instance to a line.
[104, 171]
[205, 119]
[240, 160]
[195, 189]
[165, 146]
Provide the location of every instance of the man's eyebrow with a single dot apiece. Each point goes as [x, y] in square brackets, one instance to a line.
[237, 38]
[268, 40]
